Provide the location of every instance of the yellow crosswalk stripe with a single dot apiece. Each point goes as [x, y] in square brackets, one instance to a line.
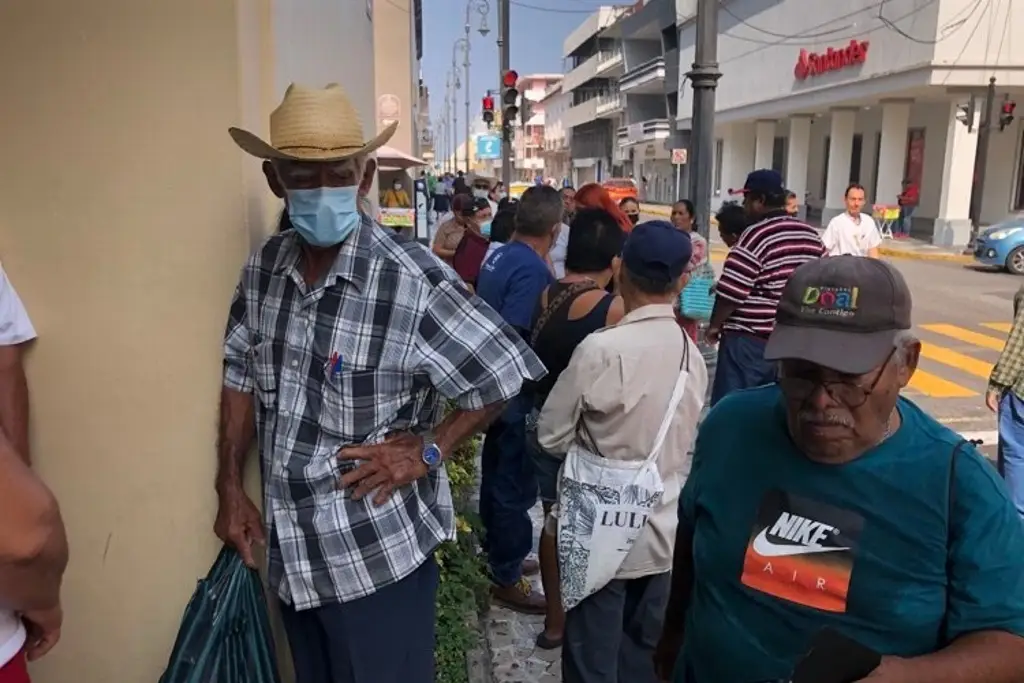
[966, 336]
[998, 327]
[941, 354]
[936, 387]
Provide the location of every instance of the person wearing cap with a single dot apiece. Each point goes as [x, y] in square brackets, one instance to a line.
[840, 504]
[343, 342]
[753, 276]
[617, 386]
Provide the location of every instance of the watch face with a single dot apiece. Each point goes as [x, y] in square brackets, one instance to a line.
[432, 455]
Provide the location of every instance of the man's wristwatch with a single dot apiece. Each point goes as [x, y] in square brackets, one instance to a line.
[432, 455]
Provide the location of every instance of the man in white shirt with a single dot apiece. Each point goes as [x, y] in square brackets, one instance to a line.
[852, 233]
[29, 586]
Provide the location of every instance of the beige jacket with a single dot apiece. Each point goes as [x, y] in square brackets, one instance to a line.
[620, 380]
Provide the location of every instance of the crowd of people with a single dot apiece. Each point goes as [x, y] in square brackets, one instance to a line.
[812, 509]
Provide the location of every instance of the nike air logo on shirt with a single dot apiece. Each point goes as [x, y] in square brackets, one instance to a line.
[804, 537]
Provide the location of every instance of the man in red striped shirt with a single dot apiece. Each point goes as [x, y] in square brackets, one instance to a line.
[753, 277]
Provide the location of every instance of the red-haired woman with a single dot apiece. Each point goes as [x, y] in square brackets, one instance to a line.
[593, 196]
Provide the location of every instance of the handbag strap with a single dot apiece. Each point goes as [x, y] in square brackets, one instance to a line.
[564, 297]
[673, 402]
[950, 503]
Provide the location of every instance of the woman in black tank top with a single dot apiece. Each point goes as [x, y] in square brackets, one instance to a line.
[567, 312]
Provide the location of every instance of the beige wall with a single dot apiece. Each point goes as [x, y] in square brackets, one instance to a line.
[393, 67]
[125, 214]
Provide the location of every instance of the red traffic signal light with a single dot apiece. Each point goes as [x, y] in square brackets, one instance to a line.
[510, 78]
[1006, 114]
[1009, 107]
[488, 103]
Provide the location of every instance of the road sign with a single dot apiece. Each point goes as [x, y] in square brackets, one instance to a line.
[488, 147]
[679, 156]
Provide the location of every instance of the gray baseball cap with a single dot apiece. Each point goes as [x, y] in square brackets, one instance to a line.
[841, 312]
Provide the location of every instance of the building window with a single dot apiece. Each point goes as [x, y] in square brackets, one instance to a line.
[719, 154]
[779, 156]
[855, 155]
[1018, 197]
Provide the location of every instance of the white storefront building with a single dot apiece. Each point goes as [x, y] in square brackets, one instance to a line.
[884, 106]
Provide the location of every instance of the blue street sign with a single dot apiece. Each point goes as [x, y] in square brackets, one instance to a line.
[488, 147]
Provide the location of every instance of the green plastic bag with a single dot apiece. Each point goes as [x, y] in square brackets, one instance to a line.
[225, 633]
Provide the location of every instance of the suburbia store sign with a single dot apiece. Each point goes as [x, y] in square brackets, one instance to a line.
[817, 63]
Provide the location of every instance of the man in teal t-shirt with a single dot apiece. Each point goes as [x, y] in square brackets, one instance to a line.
[828, 501]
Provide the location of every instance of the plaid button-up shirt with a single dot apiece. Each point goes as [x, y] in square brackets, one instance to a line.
[407, 334]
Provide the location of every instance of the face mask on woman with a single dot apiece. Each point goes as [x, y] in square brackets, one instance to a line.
[485, 228]
[634, 218]
[396, 187]
[480, 194]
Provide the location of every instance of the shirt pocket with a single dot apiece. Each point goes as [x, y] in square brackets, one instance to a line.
[265, 372]
[361, 405]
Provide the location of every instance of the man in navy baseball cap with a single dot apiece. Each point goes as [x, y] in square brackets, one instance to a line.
[762, 192]
[655, 257]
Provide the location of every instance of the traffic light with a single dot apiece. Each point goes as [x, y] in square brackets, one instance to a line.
[509, 101]
[1006, 114]
[488, 104]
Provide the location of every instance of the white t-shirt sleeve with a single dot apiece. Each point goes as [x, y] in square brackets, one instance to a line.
[830, 239]
[15, 326]
[872, 237]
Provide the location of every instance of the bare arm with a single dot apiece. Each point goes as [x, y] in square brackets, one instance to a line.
[235, 434]
[459, 425]
[989, 656]
[14, 399]
[33, 545]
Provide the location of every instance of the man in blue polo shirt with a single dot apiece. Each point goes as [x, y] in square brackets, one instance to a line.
[511, 282]
[853, 509]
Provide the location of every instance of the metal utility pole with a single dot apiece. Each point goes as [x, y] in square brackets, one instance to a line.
[504, 64]
[981, 158]
[704, 79]
[455, 123]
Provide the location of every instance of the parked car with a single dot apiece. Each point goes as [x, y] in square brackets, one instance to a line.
[1002, 245]
[620, 188]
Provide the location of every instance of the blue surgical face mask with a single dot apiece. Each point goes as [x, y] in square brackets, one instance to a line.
[485, 229]
[325, 216]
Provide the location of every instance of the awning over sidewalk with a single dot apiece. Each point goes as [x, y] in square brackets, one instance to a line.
[390, 159]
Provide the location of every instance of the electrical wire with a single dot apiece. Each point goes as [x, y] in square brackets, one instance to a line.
[946, 31]
[552, 10]
[963, 48]
[725, 8]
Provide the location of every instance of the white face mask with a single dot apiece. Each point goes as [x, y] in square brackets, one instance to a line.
[397, 186]
[480, 194]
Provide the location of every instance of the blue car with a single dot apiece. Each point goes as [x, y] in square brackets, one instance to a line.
[1002, 245]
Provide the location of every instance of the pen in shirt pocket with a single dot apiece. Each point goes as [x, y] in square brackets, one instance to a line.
[334, 365]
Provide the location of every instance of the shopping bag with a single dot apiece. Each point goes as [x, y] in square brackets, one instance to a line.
[603, 506]
[697, 299]
[224, 635]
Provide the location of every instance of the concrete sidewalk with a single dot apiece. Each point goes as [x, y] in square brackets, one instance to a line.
[903, 248]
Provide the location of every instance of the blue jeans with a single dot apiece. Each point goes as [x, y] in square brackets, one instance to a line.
[741, 365]
[1011, 447]
[906, 221]
[508, 489]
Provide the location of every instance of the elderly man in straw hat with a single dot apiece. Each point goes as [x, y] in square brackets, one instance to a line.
[342, 344]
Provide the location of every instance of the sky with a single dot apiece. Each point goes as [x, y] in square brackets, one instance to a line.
[538, 29]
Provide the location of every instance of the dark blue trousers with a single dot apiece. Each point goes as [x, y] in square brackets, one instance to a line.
[386, 637]
[508, 489]
[741, 365]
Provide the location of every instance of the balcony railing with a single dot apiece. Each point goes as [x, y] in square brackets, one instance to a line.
[607, 60]
[584, 71]
[645, 131]
[581, 113]
[653, 70]
[610, 103]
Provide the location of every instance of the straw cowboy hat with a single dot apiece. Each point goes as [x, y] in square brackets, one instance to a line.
[312, 124]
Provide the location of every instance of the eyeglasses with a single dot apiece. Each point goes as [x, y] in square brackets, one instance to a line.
[850, 394]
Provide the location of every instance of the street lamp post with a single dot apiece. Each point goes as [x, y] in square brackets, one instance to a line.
[704, 79]
[453, 111]
[483, 8]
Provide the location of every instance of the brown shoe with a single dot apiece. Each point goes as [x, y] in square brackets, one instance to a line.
[530, 567]
[520, 597]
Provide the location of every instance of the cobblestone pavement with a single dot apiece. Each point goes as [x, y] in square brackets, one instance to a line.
[511, 639]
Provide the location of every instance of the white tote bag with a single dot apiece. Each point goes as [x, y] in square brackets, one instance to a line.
[603, 506]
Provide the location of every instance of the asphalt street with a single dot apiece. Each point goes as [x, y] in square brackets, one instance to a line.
[962, 315]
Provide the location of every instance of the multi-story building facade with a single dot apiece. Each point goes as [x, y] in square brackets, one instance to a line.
[555, 152]
[594, 61]
[398, 47]
[846, 95]
[650, 84]
[528, 144]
